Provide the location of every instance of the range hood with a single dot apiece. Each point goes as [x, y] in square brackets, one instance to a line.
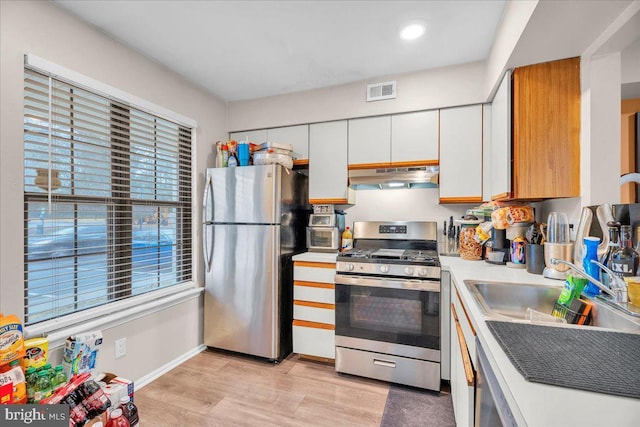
[394, 178]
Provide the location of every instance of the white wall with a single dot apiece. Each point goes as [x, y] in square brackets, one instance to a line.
[43, 29]
[430, 89]
[631, 63]
[514, 20]
[420, 204]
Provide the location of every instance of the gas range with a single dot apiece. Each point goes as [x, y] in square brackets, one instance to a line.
[387, 304]
[394, 249]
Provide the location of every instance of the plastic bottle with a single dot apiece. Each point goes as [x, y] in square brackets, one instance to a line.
[32, 378]
[129, 410]
[591, 253]
[59, 378]
[49, 370]
[218, 154]
[225, 155]
[117, 419]
[43, 387]
[233, 162]
[347, 240]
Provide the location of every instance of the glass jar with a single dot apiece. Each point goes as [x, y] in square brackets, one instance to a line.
[468, 246]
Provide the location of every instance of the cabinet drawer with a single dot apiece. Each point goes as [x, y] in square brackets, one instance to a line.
[314, 274]
[306, 291]
[385, 367]
[314, 312]
[314, 340]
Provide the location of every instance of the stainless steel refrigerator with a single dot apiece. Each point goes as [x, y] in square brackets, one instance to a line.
[254, 222]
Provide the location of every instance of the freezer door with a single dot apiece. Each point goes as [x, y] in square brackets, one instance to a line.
[242, 290]
[244, 195]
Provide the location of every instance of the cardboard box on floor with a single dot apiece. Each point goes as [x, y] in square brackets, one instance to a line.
[117, 387]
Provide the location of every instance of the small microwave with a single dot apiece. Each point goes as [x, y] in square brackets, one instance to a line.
[323, 239]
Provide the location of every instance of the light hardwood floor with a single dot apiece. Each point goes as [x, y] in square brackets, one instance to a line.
[222, 389]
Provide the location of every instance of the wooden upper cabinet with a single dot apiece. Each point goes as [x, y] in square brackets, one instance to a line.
[414, 138]
[546, 130]
[370, 142]
[297, 137]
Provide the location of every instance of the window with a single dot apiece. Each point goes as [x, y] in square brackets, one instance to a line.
[107, 195]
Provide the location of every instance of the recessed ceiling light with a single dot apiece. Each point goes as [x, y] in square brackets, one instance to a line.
[412, 32]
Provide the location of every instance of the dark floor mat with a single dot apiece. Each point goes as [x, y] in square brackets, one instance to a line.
[408, 406]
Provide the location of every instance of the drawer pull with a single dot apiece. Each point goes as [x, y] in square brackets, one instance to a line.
[386, 363]
[466, 358]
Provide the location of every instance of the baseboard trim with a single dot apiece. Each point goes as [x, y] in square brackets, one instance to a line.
[151, 376]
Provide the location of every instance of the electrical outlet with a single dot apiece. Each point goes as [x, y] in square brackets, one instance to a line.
[121, 347]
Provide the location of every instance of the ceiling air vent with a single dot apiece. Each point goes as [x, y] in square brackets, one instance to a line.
[379, 91]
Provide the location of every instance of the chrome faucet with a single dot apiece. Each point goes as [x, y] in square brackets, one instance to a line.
[618, 290]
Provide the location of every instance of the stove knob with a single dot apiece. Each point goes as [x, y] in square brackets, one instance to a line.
[422, 272]
[384, 269]
[349, 267]
[408, 271]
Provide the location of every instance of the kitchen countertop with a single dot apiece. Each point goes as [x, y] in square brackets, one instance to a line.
[535, 404]
[316, 257]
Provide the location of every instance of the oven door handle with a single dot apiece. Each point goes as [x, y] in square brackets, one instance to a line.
[376, 282]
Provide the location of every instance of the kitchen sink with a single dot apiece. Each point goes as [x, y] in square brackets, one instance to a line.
[509, 301]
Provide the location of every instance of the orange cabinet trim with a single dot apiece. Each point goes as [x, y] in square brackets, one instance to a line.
[315, 304]
[314, 264]
[314, 284]
[316, 325]
[414, 163]
[461, 199]
[369, 166]
[501, 196]
[328, 201]
[466, 359]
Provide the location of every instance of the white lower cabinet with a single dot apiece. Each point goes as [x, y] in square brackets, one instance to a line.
[313, 340]
[314, 309]
[462, 364]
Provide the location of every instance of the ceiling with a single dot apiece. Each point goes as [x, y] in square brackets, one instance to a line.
[250, 49]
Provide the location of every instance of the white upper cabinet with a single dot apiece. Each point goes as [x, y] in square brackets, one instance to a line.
[486, 152]
[501, 140]
[328, 175]
[414, 138]
[369, 141]
[297, 136]
[255, 136]
[461, 154]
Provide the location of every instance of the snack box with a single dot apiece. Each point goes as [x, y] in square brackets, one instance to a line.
[116, 387]
[81, 353]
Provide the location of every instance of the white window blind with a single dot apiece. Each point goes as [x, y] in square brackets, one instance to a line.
[107, 200]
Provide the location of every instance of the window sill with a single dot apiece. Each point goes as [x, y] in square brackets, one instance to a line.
[114, 314]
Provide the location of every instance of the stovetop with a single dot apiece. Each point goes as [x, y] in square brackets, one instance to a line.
[427, 257]
[406, 250]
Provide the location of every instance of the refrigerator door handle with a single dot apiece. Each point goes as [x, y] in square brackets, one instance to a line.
[208, 246]
[208, 191]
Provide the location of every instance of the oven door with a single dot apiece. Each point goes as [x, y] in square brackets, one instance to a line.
[393, 316]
